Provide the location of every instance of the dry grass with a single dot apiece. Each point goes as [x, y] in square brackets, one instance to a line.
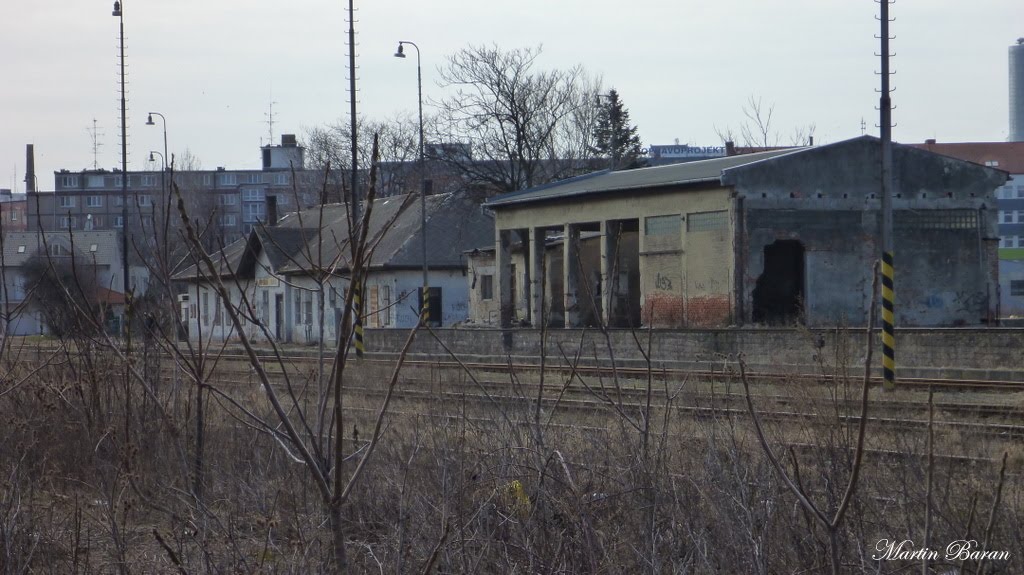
[472, 486]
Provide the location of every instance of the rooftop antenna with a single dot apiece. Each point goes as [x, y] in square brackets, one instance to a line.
[94, 135]
[269, 115]
[863, 126]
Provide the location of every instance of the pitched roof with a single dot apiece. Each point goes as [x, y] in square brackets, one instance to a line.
[99, 246]
[1008, 155]
[701, 171]
[454, 223]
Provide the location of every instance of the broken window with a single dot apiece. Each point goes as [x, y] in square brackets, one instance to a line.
[779, 291]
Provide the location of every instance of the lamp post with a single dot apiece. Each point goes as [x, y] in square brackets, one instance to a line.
[163, 120]
[164, 191]
[119, 14]
[163, 164]
[400, 53]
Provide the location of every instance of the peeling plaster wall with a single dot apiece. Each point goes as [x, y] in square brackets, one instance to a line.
[828, 199]
[679, 285]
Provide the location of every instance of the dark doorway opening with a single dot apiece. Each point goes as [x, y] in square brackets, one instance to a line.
[779, 291]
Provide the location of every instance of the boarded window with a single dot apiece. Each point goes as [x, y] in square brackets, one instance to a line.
[661, 225]
[937, 219]
[486, 287]
[385, 305]
[1017, 287]
[216, 311]
[707, 221]
[374, 305]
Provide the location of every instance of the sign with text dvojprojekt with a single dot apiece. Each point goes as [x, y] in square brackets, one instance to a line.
[685, 151]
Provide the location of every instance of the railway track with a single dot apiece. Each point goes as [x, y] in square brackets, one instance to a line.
[993, 420]
[439, 381]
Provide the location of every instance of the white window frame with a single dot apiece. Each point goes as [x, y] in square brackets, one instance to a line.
[69, 181]
[145, 201]
[228, 199]
[149, 181]
[65, 220]
[94, 201]
[118, 221]
[227, 179]
[67, 201]
[252, 195]
[281, 179]
[253, 212]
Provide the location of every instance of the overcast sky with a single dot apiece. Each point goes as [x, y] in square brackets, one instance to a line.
[683, 68]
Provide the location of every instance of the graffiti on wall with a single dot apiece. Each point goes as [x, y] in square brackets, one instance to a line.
[663, 283]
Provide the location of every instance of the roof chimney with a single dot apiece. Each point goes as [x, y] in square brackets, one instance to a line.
[730, 148]
[271, 211]
[30, 168]
[288, 140]
[930, 141]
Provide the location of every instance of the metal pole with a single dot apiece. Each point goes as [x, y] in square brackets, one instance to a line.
[888, 262]
[352, 109]
[164, 192]
[423, 191]
[119, 12]
[425, 294]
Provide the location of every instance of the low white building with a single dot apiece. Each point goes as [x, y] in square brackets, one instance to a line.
[290, 279]
[89, 259]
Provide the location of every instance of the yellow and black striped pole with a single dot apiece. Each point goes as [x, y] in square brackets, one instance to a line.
[425, 307]
[888, 322]
[357, 304]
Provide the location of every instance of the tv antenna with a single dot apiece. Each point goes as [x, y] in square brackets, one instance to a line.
[95, 135]
[269, 115]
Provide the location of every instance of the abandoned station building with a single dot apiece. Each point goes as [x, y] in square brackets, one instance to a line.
[777, 237]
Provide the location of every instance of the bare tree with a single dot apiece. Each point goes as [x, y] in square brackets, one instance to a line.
[525, 126]
[758, 129]
[328, 150]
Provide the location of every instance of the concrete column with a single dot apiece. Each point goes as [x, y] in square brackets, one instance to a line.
[609, 269]
[503, 276]
[641, 264]
[535, 270]
[570, 274]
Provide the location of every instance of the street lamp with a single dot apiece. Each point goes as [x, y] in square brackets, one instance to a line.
[163, 189]
[400, 53]
[150, 122]
[119, 14]
[163, 165]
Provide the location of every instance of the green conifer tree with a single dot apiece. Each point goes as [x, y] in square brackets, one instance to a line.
[616, 139]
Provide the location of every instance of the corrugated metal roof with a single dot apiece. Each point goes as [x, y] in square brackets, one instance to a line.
[629, 180]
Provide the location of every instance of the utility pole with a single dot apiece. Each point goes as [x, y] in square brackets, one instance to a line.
[357, 281]
[888, 261]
